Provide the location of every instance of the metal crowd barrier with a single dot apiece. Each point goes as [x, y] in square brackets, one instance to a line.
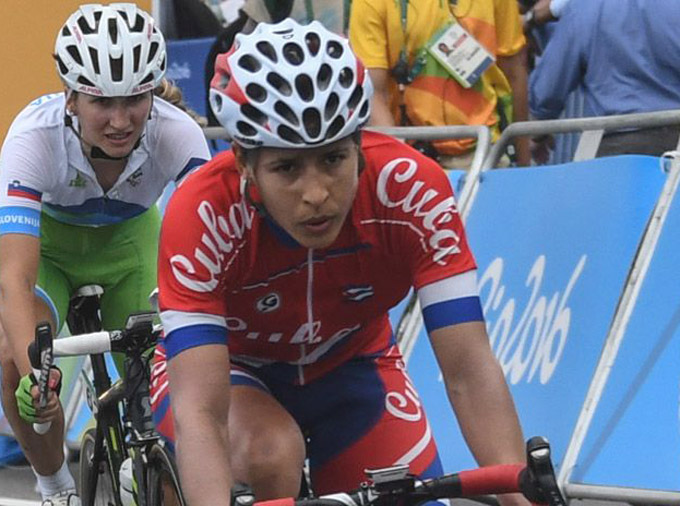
[592, 128]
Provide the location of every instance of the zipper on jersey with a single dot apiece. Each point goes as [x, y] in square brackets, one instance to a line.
[310, 314]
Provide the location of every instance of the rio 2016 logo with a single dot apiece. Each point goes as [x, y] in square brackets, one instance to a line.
[533, 342]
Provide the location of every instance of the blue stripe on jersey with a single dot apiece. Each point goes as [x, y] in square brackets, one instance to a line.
[161, 409]
[159, 414]
[191, 164]
[451, 312]
[183, 338]
[19, 220]
[97, 211]
[240, 377]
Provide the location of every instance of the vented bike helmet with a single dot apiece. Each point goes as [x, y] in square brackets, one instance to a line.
[287, 85]
[110, 51]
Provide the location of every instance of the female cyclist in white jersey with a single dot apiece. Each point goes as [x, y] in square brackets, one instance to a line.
[80, 173]
[278, 263]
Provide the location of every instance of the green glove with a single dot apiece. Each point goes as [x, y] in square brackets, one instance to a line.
[23, 393]
[25, 399]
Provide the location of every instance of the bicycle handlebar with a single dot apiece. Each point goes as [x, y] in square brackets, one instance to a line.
[535, 480]
[92, 343]
[84, 344]
[466, 484]
[44, 348]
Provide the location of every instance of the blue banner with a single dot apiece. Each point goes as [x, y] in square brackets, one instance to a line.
[553, 247]
[186, 69]
[634, 437]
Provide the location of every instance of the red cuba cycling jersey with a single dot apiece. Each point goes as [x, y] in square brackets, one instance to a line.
[229, 275]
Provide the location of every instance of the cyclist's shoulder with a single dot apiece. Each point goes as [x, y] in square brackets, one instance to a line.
[36, 138]
[372, 141]
[380, 149]
[216, 181]
[399, 185]
[170, 126]
[44, 114]
[386, 157]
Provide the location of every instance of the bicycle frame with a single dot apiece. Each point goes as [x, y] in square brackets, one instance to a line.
[134, 434]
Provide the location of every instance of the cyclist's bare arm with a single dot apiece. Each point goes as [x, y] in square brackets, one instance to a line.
[199, 382]
[479, 395]
[19, 260]
[381, 115]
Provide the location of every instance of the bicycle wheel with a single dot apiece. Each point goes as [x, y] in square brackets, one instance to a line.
[96, 483]
[163, 486]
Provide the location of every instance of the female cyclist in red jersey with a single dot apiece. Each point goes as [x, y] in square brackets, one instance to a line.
[80, 174]
[279, 261]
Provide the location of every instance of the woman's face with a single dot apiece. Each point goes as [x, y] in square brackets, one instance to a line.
[114, 124]
[308, 192]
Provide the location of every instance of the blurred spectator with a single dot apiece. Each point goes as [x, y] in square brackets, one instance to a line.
[188, 19]
[543, 11]
[227, 11]
[413, 88]
[626, 57]
[537, 18]
[331, 13]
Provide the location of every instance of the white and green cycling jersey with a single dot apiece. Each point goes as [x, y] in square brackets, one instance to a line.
[48, 189]
[43, 168]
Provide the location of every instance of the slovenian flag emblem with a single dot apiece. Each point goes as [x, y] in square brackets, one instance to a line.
[15, 189]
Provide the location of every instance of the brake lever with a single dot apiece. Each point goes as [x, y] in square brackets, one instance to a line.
[538, 480]
[41, 358]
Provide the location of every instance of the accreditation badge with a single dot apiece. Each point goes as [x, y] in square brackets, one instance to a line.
[460, 54]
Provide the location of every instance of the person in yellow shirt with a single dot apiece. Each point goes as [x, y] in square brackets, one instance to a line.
[413, 88]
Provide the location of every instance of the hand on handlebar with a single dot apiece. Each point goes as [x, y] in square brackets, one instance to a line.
[29, 404]
[513, 500]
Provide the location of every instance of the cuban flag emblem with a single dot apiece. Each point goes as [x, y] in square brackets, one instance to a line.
[358, 293]
[15, 189]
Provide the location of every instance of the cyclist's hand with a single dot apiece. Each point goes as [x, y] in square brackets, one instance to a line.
[513, 500]
[28, 398]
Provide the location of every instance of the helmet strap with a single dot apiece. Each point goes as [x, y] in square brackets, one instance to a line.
[98, 153]
[252, 196]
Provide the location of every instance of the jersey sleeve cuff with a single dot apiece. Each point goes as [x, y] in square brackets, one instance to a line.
[19, 220]
[185, 330]
[451, 301]
[185, 338]
[452, 312]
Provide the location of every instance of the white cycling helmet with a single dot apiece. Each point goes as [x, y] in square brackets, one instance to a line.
[110, 50]
[290, 86]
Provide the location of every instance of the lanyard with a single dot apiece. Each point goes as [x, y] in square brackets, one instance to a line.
[420, 59]
[310, 11]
